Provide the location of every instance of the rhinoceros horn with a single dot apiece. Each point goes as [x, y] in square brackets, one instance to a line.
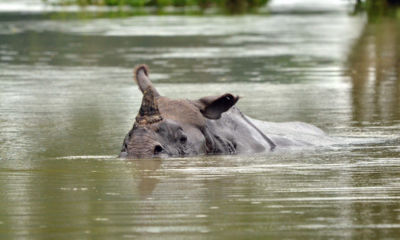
[148, 112]
[141, 74]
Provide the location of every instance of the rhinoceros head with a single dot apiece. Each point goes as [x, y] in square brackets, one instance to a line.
[168, 127]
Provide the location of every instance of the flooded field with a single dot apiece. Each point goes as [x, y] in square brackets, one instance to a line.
[67, 99]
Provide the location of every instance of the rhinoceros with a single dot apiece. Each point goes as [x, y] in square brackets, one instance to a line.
[210, 125]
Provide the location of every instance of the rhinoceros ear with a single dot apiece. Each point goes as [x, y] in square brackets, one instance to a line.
[141, 74]
[212, 107]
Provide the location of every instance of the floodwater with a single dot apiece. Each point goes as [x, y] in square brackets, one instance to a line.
[67, 100]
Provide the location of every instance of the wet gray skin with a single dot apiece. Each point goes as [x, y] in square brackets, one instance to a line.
[210, 125]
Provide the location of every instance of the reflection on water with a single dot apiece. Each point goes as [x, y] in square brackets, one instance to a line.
[67, 99]
[374, 71]
[189, 49]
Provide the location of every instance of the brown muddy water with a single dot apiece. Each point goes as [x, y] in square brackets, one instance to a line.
[67, 100]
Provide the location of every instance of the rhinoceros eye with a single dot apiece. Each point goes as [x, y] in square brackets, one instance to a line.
[157, 149]
[183, 139]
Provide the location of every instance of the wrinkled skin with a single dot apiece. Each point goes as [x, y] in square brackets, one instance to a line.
[174, 128]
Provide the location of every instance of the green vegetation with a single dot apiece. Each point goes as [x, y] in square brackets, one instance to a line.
[227, 6]
[374, 8]
[378, 8]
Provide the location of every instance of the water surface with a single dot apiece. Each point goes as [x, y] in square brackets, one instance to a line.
[67, 99]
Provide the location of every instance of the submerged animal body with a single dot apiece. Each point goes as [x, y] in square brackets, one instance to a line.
[167, 127]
